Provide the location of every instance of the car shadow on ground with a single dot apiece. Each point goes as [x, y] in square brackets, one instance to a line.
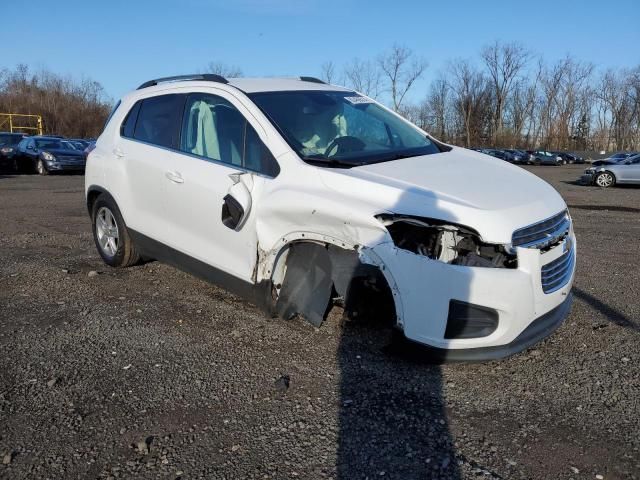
[610, 313]
[393, 418]
[393, 414]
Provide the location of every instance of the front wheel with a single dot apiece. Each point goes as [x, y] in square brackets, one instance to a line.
[41, 168]
[605, 180]
[111, 236]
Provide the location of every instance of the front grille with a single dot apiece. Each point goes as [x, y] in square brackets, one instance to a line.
[543, 234]
[557, 273]
[69, 158]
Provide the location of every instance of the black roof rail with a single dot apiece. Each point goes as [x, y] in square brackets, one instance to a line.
[207, 77]
[312, 79]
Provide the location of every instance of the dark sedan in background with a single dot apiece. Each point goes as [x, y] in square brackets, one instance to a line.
[45, 155]
[569, 157]
[8, 145]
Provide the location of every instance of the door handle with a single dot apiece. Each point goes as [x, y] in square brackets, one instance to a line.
[175, 177]
[118, 153]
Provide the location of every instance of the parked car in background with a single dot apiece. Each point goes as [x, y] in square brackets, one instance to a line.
[614, 159]
[48, 154]
[607, 175]
[79, 143]
[543, 157]
[8, 145]
[497, 153]
[518, 156]
[569, 157]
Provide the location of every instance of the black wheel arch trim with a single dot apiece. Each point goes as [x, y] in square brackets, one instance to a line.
[91, 191]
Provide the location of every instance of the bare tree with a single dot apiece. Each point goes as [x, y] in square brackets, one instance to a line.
[401, 70]
[437, 102]
[364, 76]
[220, 68]
[504, 63]
[67, 106]
[471, 99]
[328, 72]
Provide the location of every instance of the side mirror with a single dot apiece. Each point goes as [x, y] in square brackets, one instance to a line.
[237, 202]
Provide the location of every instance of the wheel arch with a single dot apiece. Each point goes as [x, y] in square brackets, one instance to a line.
[348, 262]
[93, 192]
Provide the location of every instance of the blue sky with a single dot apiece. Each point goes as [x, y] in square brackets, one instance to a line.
[123, 43]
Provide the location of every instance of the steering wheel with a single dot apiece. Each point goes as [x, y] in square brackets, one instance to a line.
[343, 145]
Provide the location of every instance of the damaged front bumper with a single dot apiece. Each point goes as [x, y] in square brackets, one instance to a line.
[524, 308]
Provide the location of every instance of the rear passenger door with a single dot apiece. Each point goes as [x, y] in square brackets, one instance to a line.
[149, 136]
[221, 154]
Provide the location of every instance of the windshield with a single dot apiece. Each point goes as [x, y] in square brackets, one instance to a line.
[10, 139]
[341, 128]
[49, 143]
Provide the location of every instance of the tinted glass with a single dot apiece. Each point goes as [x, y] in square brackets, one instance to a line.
[213, 128]
[8, 139]
[257, 156]
[129, 123]
[159, 120]
[43, 144]
[343, 128]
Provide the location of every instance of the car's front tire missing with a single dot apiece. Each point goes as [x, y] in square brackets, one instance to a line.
[110, 234]
[605, 180]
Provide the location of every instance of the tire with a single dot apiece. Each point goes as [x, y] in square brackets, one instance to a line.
[605, 180]
[41, 169]
[110, 234]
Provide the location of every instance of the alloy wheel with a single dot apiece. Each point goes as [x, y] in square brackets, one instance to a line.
[604, 179]
[107, 231]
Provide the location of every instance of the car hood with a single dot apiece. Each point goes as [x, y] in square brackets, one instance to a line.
[64, 151]
[604, 162]
[460, 186]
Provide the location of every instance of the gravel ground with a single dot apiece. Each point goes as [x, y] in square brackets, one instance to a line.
[150, 373]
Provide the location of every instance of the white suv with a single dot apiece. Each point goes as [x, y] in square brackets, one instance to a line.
[294, 193]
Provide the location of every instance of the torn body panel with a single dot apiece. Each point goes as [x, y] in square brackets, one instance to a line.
[308, 274]
[448, 243]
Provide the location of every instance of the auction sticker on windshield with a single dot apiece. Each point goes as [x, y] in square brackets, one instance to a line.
[358, 100]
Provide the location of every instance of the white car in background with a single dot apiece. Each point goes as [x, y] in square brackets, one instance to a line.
[607, 174]
[293, 192]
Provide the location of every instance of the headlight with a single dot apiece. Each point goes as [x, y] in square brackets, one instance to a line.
[48, 156]
[447, 243]
[6, 149]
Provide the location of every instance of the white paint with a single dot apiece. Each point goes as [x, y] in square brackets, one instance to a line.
[338, 206]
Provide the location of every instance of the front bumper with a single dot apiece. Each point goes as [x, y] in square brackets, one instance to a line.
[66, 166]
[423, 290]
[587, 178]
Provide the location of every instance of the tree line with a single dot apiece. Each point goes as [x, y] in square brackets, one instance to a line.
[506, 97]
[73, 108]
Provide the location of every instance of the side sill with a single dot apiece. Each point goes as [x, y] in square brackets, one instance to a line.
[257, 294]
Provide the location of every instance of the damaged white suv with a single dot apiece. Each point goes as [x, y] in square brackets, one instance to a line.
[294, 193]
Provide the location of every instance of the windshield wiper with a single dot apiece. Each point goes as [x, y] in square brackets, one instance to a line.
[331, 161]
[394, 156]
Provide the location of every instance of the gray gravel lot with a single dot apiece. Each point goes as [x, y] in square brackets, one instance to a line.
[150, 373]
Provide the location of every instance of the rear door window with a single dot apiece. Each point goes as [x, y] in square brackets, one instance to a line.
[159, 120]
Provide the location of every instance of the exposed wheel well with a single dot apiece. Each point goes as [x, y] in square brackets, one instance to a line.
[310, 277]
